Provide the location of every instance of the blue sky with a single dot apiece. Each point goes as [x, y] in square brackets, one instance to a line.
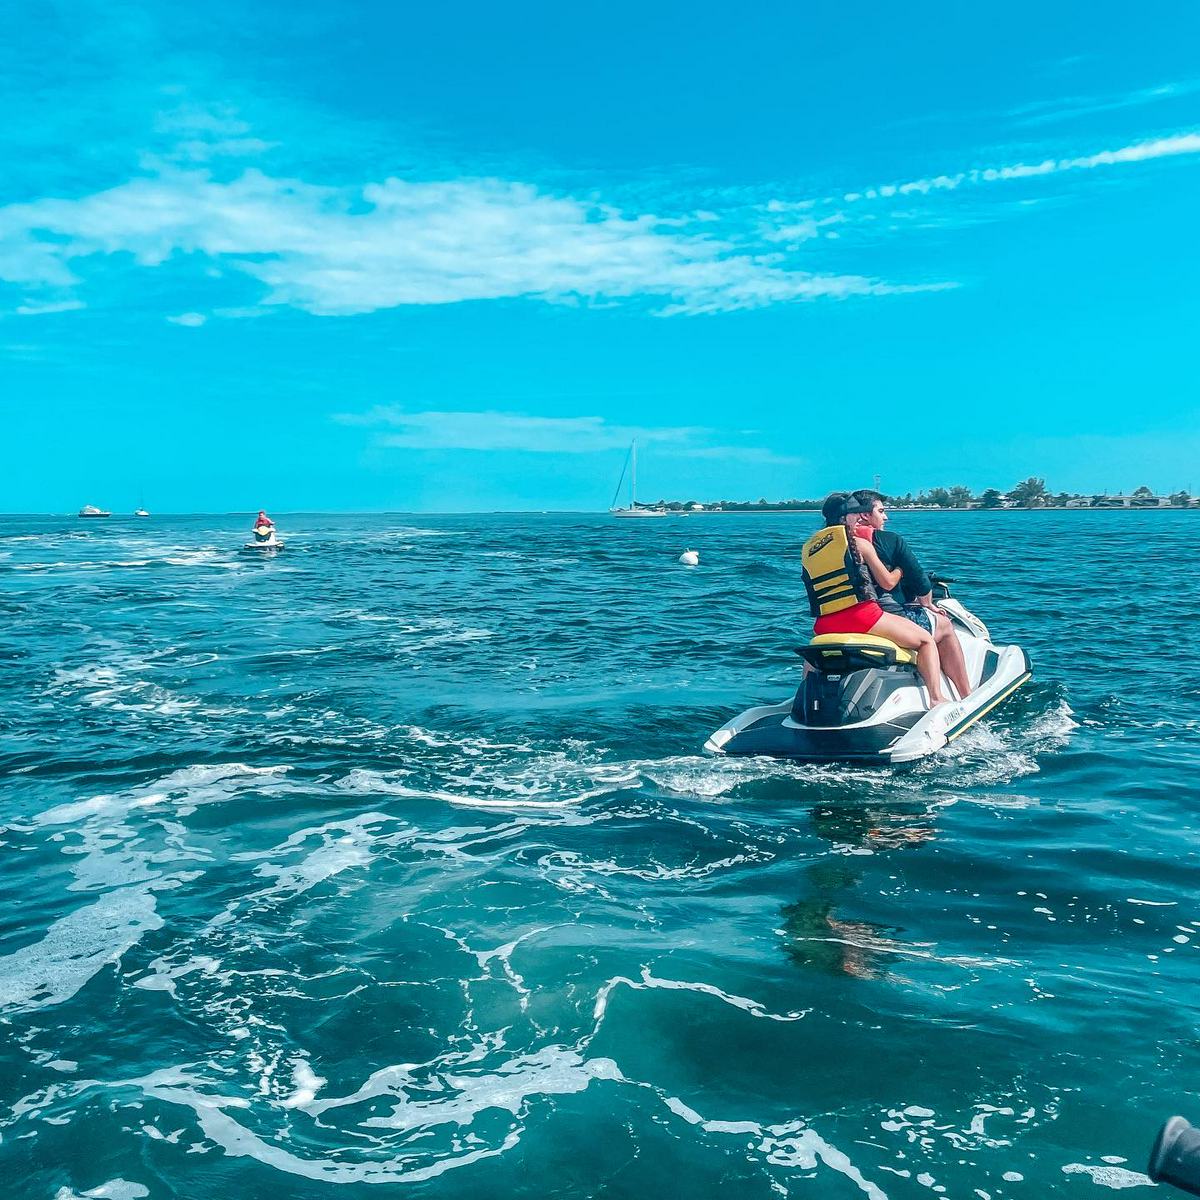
[378, 256]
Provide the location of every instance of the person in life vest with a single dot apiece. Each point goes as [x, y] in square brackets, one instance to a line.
[263, 526]
[838, 570]
[906, 589]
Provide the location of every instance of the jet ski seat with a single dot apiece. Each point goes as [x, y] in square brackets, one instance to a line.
[840, 653]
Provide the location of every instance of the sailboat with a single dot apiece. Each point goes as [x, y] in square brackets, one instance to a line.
[633, 510]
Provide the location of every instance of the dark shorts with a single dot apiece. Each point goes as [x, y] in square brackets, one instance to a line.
[918, 614]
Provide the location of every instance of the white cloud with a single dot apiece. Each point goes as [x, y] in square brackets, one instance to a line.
[336, 251]
[802, 230]
[200, 133]
[193, 320]
[491, 430]
[1174, 146]
[333, 251]
[1043, 112]
[1061, 108]
[494, 430]
[199, 150]
[43, 308]
[191, 119]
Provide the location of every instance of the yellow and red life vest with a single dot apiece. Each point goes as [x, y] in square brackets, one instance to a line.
[833, 577]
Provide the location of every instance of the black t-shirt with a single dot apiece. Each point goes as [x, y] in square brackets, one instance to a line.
[894, 552]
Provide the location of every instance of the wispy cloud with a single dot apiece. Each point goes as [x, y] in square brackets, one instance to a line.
[340, 251]
[47, 307]
[1054, 109]
[400, 241]
[794, 232]
[491, 430]
[197, 133]
[1045, 112]
[1174, 146]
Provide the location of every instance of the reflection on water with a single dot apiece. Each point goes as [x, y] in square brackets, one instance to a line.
[818, 933]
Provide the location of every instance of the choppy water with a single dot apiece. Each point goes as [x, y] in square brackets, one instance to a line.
[394, 860]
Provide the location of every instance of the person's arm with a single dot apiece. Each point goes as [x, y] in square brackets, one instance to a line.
[917, 583]
[885, 578]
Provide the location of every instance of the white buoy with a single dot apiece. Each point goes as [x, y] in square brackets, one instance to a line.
[690, 558]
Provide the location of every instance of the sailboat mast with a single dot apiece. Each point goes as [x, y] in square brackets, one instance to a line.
[633, 479]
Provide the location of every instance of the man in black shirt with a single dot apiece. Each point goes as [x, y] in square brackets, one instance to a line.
[913, 595]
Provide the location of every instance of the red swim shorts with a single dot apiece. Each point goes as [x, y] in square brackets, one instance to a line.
[859, 619]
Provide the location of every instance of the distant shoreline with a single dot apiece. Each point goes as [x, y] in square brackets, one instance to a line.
[926, 508]
[1031, 495]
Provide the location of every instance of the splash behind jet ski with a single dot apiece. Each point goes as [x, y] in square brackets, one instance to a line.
[862, 700]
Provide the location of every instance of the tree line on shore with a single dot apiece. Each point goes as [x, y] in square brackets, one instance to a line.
[1029, 493]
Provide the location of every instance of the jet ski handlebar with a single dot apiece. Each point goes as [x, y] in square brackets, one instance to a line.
[1175, 1157]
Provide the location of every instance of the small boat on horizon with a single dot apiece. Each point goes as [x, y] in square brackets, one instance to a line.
[140, 512]
[634, 509]
[90, 510]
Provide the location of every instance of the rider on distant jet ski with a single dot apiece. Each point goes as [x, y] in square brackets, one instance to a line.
[842, 596]
[913, 597]
[263, 526]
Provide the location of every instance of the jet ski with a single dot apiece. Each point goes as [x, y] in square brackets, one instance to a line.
[862, 700]
[264, 539]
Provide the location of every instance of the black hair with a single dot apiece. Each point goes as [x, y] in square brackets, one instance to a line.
[833, 509]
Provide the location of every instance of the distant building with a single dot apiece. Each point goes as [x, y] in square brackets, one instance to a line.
[1079, 502]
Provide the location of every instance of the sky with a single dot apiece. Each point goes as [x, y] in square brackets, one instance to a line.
[377, 256]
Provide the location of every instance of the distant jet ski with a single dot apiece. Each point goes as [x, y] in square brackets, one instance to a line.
[264, 538]
[863, 700]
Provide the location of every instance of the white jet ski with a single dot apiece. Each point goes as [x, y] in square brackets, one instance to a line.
[862, 699]
[264, 539]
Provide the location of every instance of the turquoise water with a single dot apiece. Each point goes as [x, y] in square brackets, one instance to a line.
[392, 865]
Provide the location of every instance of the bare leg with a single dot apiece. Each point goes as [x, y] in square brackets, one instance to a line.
[951, 653]
[905, 633]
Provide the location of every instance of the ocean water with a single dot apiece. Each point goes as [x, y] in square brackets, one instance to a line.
[392, 865]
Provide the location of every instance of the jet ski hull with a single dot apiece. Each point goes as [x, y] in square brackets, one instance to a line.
[776, 735]
[876, 715]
